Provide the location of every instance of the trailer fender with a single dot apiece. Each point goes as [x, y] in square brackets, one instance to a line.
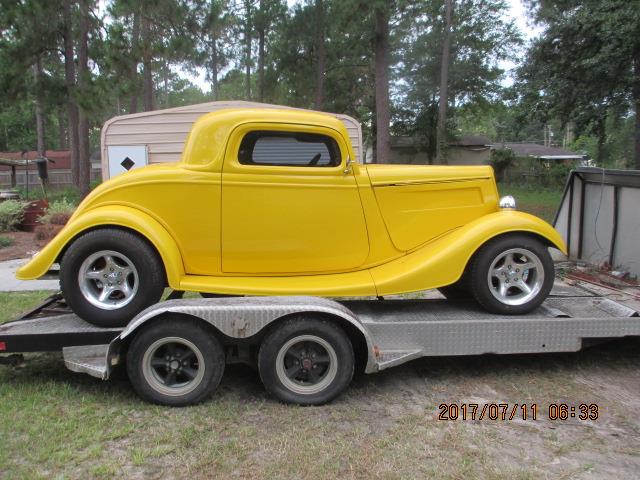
[243, 317]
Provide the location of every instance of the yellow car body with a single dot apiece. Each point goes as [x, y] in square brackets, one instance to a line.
[225, 227]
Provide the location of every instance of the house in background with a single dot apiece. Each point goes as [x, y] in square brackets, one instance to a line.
[542, 153]
[539, 162]
[467, 150]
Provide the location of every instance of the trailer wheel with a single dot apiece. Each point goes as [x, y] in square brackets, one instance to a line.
[306, 361]
[512, 274]
[175, 362]
[108, 276]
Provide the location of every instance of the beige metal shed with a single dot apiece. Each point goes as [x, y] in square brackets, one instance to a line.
[131, 141]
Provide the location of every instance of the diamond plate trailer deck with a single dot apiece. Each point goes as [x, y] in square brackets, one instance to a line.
[393, 331]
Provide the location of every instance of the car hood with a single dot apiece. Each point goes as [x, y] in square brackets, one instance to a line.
[421, 202]
[382, 175]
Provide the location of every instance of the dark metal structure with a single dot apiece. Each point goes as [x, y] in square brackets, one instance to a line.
[599, 217]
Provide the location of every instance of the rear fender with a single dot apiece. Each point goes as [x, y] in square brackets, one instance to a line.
[442, 261]
[103, 217]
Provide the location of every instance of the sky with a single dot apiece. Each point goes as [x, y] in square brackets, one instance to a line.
[517, 11]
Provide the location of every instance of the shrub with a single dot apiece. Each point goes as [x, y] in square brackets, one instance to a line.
[47, 231]
[501, 159]
[5, 242]
[58, 212]
[11, 212]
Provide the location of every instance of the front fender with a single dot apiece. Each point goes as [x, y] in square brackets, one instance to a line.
[442, 261]
[111, 215]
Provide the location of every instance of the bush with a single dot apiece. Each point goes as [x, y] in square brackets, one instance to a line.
[47, 231]
[11, 212]
[501, 159]
[58, 212]
[68, 193]
[5, 242]
[558, 174]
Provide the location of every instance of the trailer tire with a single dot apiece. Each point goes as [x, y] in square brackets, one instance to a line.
[512, 274]
[306, 361]
[116, 263]
[175, 362]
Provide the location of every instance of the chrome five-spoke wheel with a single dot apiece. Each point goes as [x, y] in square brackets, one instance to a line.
[108, 279]
[511, 274]
[515, 276]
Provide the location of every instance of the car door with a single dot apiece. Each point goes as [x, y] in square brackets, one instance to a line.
[290, 205]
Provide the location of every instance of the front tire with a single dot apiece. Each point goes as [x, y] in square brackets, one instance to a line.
[175, 362]
[108, 276]
[306, 361]
[512, 274]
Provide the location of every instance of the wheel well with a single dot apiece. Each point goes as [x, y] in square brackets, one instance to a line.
[534, 235]
[114, 227]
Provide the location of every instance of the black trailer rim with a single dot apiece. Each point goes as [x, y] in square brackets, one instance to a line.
[173, 366]
[306, 364]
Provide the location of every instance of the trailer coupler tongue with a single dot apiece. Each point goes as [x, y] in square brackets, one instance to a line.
[15, 360]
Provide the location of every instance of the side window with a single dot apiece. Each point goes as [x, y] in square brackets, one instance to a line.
[290, 149]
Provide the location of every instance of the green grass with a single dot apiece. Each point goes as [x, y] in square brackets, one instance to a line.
[5, 241]
[542, 202]
[13, 304]
[58, 424]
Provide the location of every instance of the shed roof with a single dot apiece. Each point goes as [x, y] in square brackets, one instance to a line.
[164, 132]
[539, 151]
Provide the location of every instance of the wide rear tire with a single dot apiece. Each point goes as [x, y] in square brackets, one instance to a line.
[109, 275]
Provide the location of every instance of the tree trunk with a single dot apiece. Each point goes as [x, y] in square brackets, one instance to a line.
[62, 132]
[444, 85]
[383, 143]
[636, 162]
[40, 134]
[213, 65]
[135, 47]
[84, 153]
[261, 35]
[247, 49]
[636, 102]
[165, 81]
[321, 55]
[147, 67]
[601, 135]
[70, 83]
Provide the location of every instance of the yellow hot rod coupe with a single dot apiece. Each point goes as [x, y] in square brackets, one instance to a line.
[270, 202]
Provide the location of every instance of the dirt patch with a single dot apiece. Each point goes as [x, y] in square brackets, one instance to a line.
[24, 245]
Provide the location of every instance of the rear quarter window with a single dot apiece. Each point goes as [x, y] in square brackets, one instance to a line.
[289, 149]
